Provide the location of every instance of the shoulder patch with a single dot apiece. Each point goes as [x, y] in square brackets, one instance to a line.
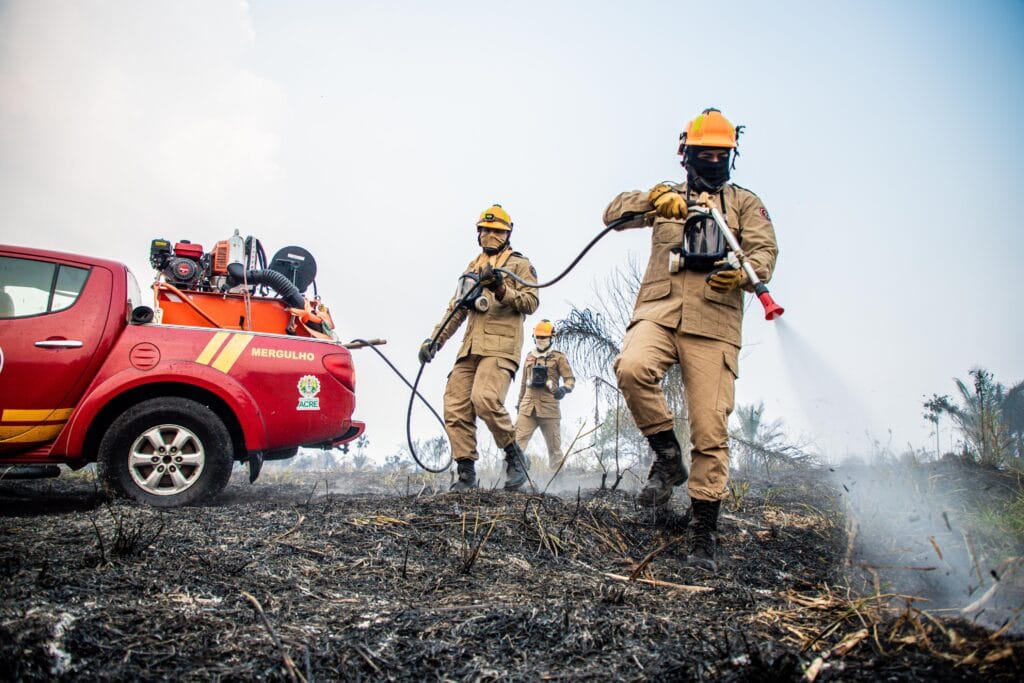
[764, 214]
[533, 272]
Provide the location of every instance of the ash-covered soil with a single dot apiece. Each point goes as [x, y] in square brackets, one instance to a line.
[377, 577]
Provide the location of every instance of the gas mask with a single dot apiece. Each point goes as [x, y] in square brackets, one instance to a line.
[538, 375]
[705, 176]
[543, 343]
[469, 294]
[703, 245]
[491, 243]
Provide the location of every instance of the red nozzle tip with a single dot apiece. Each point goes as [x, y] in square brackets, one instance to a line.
[771, 309]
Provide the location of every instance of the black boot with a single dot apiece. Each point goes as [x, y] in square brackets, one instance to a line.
[467, 475]
[705, 535]
[516, 465]
[667, 471]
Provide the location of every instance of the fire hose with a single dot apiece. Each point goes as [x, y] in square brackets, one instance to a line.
[468, 299]
[701, 205]
[475, 290]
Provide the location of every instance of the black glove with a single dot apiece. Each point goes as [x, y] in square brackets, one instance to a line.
[560, 393]
[427, 351]
[491, 279]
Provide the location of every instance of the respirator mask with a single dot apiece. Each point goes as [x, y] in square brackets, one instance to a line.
[469, 294]
[703, 245]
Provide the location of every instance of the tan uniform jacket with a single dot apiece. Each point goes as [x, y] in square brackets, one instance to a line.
[540, 401]
[499, 331]
[683, 300]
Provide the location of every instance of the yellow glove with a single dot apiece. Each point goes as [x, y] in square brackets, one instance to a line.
[657, 191]
[667, 202]
[725, 278]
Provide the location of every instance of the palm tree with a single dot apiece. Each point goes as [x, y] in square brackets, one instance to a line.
[359, 459]
[990, 418]
[751, 428]
[592, 337]
[1013, 417]
[758, 442]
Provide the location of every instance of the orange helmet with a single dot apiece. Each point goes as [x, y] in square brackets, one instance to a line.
[496, 218]
[545, 328]
[709, 129]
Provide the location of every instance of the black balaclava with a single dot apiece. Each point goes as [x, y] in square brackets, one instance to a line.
[705, 176]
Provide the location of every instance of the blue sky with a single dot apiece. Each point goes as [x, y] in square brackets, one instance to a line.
[882, 137]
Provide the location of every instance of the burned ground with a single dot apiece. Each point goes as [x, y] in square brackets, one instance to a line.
[297, 580]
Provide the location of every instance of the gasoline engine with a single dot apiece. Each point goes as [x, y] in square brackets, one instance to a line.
[234, 287]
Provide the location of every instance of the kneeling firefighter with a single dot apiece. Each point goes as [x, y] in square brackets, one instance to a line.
[689, 311]
[547, 378]
[490, 351]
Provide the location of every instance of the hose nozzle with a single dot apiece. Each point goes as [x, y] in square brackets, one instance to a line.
[771, 309]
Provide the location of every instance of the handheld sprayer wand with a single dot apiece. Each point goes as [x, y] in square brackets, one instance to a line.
[704, 205]
[471, 297]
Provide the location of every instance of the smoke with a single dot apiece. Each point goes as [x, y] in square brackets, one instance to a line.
[911, 530]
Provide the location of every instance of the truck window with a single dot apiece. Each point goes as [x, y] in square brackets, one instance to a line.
[29, 287]
[134, 293]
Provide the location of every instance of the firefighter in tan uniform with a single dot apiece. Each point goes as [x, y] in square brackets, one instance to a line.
[490, 351]
[689, 311]
[547, 378]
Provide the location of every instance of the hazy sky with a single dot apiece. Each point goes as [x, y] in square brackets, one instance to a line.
[883, 137]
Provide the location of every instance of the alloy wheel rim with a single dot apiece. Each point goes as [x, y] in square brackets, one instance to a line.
[166, 460]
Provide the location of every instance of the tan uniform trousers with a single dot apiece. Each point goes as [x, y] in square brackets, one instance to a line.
[477, 387]
[709, 374]
[550, 428]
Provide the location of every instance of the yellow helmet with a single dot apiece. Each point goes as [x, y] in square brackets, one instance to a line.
[545, 328]
[496, 218]
[709, 129]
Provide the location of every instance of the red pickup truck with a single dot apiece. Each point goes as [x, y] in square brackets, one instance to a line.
[165, 410]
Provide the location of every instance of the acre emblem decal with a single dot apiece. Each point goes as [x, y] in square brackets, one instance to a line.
[309, 387]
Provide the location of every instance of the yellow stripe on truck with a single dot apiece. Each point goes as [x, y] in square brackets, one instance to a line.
[40, 433]
[232, 350]
[211, 348]
[39, 415]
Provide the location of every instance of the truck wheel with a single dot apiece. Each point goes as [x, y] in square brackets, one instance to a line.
[167, 452]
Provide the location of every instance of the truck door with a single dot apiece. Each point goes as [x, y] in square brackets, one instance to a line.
[52, 317]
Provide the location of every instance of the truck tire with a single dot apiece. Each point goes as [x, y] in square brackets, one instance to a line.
[167, 452]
